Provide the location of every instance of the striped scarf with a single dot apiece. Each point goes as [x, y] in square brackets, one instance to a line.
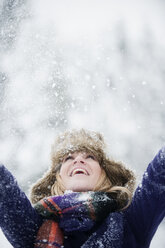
[77, 211]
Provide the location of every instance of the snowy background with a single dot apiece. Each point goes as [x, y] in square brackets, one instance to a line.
[98, 64]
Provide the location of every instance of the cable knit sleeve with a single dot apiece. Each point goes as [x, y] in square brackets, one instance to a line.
[147, 209]
[18, 219]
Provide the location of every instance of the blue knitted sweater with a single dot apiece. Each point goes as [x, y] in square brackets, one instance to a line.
[131, 228]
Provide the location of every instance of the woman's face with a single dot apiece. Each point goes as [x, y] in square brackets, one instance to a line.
[80, 171]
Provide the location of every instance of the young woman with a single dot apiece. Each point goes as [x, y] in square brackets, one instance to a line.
[84, 200]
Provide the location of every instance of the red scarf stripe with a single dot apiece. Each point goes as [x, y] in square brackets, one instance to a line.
[55, 206]
[52, 234]
[70, 208]
[56, 234]
[53, 231]
[44, 204]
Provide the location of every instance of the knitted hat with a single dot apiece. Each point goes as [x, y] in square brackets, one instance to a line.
[81, 140]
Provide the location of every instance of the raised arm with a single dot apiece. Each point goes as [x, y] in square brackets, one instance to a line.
[18, 219]
[148, 206]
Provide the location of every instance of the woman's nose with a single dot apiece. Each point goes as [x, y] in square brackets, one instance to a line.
[79, 159]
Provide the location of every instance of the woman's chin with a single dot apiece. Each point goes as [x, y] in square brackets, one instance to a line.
[78, 184]
[79, 188]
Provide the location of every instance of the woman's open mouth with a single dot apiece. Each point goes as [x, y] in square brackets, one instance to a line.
[79, 171]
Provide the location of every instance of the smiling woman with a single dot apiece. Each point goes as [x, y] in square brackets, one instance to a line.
[84, 149]
[80, 171]
[84, 200]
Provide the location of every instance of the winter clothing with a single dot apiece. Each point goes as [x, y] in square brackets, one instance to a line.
[131, 228]
[71, 212]
[82, 140]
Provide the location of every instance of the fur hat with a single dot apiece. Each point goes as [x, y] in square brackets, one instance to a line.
[81, 140]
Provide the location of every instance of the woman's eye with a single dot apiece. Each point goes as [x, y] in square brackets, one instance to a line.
[91, 156]
[68, 157]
